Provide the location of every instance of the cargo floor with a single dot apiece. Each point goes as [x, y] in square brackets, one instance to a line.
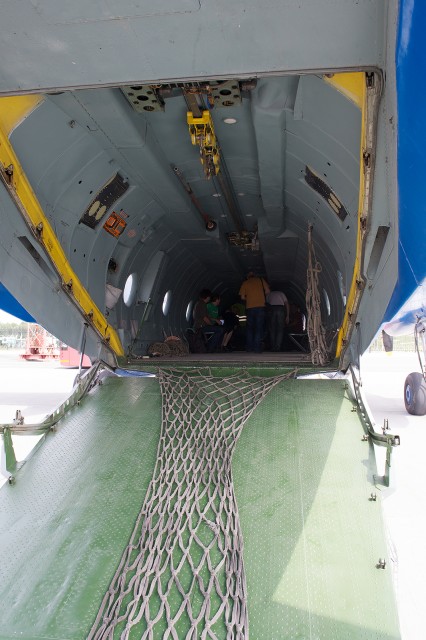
[303, 479]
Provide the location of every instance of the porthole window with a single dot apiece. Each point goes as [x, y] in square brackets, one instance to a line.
[341, 286]
[130, 289]
[189, 308]
[326, 301]
[167, 302]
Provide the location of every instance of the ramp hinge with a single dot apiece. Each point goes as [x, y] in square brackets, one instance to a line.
[19, 418]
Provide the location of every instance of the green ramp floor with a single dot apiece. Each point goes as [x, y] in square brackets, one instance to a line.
[303, 481]
[302, 476]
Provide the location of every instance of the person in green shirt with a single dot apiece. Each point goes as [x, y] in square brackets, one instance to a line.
[213, 308]
[205, 324]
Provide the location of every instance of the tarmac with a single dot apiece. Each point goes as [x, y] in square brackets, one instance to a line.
[383, 376]
[36, 388]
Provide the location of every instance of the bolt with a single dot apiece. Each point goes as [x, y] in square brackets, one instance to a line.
[9, 173]
[381, 564]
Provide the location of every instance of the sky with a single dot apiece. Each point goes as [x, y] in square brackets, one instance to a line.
[6, 317]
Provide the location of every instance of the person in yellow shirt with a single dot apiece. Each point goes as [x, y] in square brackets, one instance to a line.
[254, 291]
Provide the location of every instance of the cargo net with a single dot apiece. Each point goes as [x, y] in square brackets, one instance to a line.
[315, 330]
[182, 574]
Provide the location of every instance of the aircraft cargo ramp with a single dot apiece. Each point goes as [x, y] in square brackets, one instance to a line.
[298, 498]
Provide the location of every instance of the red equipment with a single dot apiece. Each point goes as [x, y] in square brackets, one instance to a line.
[71, 357]
[40, 344]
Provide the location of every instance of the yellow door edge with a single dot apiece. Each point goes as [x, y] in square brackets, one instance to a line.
[14, 178]
[371, 89]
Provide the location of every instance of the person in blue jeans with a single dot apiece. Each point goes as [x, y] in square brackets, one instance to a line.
[254, 291]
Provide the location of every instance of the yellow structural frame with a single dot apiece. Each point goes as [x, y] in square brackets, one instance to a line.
[12, 111]
[353, 86]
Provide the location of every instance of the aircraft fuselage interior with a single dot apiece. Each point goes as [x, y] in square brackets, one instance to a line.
[120, 201]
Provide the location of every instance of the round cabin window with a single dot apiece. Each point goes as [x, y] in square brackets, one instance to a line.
[130, 289]
[167, 302]
[189, 308]
[327, 302]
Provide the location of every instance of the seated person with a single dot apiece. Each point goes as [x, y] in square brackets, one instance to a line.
[231, 323]
[205, 324]
[229, 320]
[213, 308]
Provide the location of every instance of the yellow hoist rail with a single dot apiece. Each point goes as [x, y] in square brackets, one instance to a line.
[12, 111]
[202, 133]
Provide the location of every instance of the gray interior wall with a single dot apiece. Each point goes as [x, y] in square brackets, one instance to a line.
[26, 272]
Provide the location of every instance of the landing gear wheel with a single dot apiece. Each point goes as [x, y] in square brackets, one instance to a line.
[415, 394]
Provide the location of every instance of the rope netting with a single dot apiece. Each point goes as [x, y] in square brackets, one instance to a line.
[315, 329]
[182, 573]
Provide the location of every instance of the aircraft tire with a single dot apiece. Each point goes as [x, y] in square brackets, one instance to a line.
[415, 394]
